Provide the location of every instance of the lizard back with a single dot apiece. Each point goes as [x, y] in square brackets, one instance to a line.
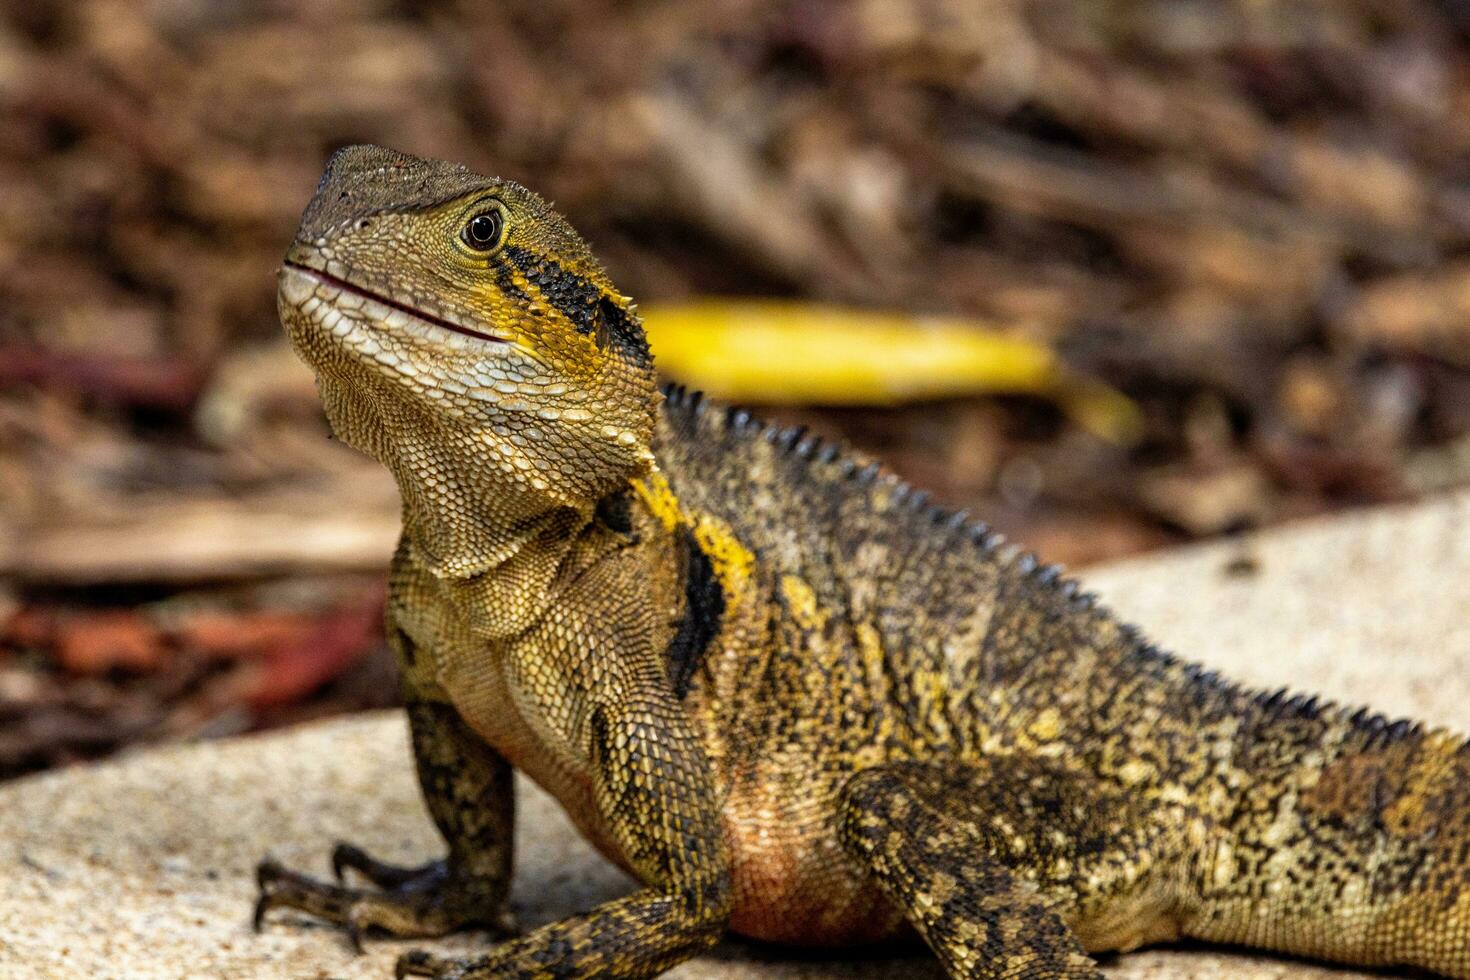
[881, 628]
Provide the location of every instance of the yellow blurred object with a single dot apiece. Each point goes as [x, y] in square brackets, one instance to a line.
[755, 351]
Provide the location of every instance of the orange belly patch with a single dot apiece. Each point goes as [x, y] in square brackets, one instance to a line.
[793, 883]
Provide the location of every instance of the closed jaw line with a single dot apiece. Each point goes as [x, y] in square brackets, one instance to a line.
[375, 307]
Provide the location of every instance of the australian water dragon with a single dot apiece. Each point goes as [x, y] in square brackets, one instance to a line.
[774, 683]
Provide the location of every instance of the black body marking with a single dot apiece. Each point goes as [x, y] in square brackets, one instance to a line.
[580, 301]
[623, 332]
[704, 608]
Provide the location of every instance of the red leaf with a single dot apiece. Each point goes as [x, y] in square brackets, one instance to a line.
[293, 670]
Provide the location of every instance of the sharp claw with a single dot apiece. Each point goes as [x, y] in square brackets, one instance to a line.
[354, 936]
[262, 906]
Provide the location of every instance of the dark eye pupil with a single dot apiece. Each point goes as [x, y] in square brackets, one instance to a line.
[483, 230]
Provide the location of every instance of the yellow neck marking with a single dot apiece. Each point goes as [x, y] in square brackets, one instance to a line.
[731, 561]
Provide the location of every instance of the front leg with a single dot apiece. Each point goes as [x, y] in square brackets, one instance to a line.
[469, 791]
[654, 789]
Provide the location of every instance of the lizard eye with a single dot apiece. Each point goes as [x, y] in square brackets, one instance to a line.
[482, 232]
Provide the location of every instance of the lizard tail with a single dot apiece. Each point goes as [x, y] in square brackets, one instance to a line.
[1350, 841]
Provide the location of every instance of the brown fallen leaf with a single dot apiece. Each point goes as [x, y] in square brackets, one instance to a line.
[289, 672]
[96, 643]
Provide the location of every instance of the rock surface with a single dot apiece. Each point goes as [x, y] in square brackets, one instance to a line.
[142, 867]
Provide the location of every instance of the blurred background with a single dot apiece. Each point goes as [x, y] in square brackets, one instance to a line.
[1177, 269]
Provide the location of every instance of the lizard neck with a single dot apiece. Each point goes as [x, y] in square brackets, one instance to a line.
[496, 553]
[467, 519]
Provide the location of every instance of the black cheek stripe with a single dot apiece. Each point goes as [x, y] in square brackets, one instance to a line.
[573, 297]
[584, 305]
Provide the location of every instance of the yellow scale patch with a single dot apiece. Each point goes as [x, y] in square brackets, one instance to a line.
[803, 603]
[730, 560]
[1433, 770]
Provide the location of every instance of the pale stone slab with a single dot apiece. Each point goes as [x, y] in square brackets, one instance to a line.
[142, 867]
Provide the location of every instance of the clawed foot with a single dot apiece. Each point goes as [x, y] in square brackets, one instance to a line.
[425, 901]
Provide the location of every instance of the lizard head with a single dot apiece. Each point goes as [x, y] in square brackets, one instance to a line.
[449, 313]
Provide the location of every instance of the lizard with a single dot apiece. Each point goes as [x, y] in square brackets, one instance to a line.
[791, 696]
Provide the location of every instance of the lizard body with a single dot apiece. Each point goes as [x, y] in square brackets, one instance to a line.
[773, 682]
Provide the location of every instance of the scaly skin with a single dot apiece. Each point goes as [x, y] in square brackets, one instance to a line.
[770, 681]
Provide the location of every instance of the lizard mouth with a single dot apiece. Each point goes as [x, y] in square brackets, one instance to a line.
[438, 320]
